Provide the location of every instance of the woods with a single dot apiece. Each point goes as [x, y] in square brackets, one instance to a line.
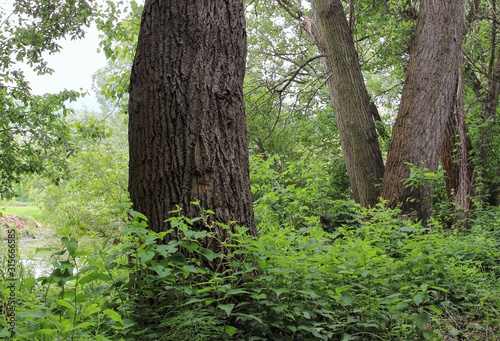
[256, 170]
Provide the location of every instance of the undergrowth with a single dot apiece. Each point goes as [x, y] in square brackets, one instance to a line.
[379, 278]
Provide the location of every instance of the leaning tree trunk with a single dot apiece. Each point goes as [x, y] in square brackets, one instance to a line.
[351, 101]
[455, 157]
[426, 101]
[187, 129]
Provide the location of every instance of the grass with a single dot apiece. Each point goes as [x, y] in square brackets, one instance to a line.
[22, 209]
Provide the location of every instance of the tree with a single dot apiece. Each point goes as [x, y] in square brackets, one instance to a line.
[33, 134]
[455, 152]
[187, 132]
[482, 73]
[353, 111]
[426, 102]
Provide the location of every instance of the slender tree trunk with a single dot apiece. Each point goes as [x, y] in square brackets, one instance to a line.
[351, 101]
[455, 156]
[426, 102]
[490, 173]
[187, 126]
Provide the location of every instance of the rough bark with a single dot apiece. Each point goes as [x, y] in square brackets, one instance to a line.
[426, 101]
[187, 128]
[351, 101]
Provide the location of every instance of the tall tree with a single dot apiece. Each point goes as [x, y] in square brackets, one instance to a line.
[187, 130]
[426, 102]
[351, 102]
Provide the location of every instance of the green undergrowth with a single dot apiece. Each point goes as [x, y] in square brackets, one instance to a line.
[377, 278]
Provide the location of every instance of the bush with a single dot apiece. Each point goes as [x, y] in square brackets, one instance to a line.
[381, 278]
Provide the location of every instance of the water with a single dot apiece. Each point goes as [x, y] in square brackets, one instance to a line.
[37, 262]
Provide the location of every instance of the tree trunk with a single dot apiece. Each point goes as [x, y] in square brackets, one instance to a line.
[426, 102]
[455, 156]
[351, 101]
[489, 172]
[187, 129]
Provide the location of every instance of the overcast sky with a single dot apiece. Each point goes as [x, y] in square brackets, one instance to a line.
[74, 67]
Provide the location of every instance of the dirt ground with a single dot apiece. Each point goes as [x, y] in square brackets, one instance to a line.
[11, 220]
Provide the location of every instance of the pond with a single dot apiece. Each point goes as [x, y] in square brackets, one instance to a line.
[37, 262]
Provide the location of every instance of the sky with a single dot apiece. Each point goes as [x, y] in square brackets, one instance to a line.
[74, 66]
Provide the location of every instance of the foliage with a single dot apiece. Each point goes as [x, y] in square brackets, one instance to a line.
[293, 193]
[119, 40]
[381, 278]
[322, 267]
[96, 181]
[33, 134]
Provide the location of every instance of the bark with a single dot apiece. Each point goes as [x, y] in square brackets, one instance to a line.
[351, 101]
[426, 102]
[187, 129]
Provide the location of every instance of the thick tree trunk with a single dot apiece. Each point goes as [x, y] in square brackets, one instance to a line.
[187, 129]
[351, 101]
[426, 101]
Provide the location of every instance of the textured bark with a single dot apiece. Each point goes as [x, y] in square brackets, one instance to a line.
[187, 129]
[351, 101]
[455, 156]
[426, 102]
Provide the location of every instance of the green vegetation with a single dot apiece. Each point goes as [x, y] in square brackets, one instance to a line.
[379, 277]
[22, 210]
[321, 267]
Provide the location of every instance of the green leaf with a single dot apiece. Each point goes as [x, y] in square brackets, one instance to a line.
[84, 325]
[113, 315]
[162, 271]
[191, 246]
[435, 309]
[70, 244]
[236, 291]
[208, 254]
[439, 288]
[418, 298]
[46, 331]
[190, 268]
[230, 330]
[421, 320]
[200, 235]
[346, 298]
[228, 308]
[193, 300]
[65, 304]
[91, 309]
[259, 297]
[365, 272]
[280, 291]
[93, 276]
[164, 250]
[146, 256]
